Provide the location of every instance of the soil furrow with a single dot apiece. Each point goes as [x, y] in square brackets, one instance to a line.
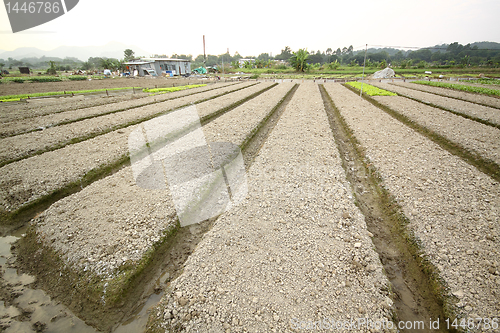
[62, 118]
[45, 107]
[491, 102]
[486, 115]
[474, 142]
[34, 183]
[25, 145]
[108, 234]
[412, 285]
[454, 220]
[295, 252]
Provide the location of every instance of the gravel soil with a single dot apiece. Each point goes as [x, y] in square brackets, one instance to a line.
[473, 136]
[245, 118]
[470, 97]
[294, 252]
[471, 83]
[55, 118]
[12, 112]
[13, 88]
[24, 145]
[40, 107]
[30, 179]
[468, 108]
[452, 208]
[110, 224]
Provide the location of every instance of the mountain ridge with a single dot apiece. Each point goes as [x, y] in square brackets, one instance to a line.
[109, 50]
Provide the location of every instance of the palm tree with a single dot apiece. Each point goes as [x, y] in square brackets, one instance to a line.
[299, 60]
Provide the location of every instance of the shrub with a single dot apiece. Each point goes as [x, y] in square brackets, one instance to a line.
[45, 79]
[77, 77]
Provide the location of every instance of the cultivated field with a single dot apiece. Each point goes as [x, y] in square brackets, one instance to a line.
[326, 171]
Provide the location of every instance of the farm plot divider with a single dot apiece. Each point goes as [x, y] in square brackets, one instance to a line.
[116, 229]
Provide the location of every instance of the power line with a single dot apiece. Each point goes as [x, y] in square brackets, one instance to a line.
[424, 48]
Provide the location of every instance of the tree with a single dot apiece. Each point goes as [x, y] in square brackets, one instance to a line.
[1, 66]
[299, 60]
[264, 57]
[285, 54]
[129, 54]
[52, 69]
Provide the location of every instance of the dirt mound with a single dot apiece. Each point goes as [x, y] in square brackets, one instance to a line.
[384, 74]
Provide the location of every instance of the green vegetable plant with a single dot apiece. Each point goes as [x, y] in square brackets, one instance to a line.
[156, 91]
[14, 98]
[461, 87]
[371, 90]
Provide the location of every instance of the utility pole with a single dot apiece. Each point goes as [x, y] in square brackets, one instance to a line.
[363, 76]
[204, 54]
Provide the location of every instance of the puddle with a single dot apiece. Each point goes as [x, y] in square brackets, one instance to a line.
[23, 309]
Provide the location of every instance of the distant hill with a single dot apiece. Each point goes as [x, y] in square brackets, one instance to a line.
[441, 47]
[110, 50]
[486, 45]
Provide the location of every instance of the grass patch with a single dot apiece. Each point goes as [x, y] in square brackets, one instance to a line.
[14, 98]
[156, 91]
[483, 81]
[77, 78]
[461, 87]
[371, 90]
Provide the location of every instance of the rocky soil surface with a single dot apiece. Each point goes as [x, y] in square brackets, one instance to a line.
[478, 138]
[27, 144]
[453, 209]
[467, 108]
[296, 251]
[54, 115]
[27, 180]
[12, 88]
[470, 97]
[113, 221]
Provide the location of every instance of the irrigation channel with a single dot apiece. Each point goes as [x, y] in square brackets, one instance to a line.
[371, 230]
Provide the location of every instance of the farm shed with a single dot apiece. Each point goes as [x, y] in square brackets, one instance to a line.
[156, 66]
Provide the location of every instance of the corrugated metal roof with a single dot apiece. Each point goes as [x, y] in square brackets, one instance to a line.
[166, 59]
[137, 62]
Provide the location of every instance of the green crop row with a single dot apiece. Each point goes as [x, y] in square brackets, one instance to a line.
[371, 90]
[462, 87]
[14, 98]
[33, 79]
[156, 91]
[485, 81]
[77, 77]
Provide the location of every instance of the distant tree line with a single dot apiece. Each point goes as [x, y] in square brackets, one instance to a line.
[452, 55]
[485, 54]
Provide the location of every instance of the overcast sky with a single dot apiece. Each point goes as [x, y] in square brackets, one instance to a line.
[262, 26]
